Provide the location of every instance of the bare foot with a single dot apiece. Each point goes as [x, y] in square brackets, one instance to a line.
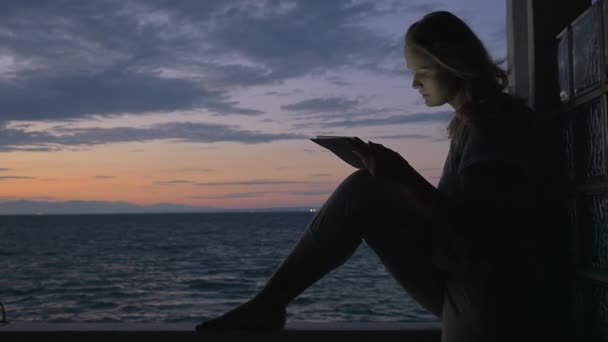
[252, 315]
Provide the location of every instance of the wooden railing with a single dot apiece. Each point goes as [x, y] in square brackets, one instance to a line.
[293, 332]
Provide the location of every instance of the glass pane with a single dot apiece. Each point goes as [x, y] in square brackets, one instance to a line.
[594, 239]
[595, 306]
[563, 65]
[585, 51]
[568, 138]
[590, 143]
[579, 306]
[572, 224]
[605, 9]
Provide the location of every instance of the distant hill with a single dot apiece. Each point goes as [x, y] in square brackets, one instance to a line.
[23, 207]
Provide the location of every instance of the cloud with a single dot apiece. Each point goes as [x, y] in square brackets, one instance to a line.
[300, 41]
[72, 59]
[349, 122]
[310, 193]
[283, 93]
[499, 35]
[331, 107]
[393, 120]
[159, 56]
[66, 96]
[172, 182]
[14, 177]
[402, 136]
[195, 169]
[12, 139]
[262, 193]
[324, 105]
[4, 169]
[419, 9]
[105, 177]
[321, 175]
[254, 182]
[430, 169]
[337, 80]
[441, 139]
[233, 195]
[316, 111]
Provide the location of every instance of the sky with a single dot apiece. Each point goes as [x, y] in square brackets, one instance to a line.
[211, 103]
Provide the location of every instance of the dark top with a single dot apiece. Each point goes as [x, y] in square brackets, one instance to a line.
[523, 278]
[520, 144]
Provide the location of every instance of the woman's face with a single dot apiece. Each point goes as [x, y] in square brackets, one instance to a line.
[430, 79]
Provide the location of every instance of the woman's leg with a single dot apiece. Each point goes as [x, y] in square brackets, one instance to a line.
[361, 208]
[364, 208]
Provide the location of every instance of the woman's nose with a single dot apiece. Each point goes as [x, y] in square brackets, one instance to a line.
[415, 83]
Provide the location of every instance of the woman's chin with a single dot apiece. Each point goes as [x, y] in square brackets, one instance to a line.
[429, 103]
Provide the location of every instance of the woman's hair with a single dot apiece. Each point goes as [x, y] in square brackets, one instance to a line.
[451, 44]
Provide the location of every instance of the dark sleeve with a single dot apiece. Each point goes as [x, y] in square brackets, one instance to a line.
[484, 232]
[495, 199]
[493, 144]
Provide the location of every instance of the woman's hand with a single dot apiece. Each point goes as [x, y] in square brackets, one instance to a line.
[383, 162]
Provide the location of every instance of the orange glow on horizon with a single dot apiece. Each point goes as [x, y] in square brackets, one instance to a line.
[160, 172]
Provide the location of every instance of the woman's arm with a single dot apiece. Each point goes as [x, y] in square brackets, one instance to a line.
[478, 221]
[488, 191]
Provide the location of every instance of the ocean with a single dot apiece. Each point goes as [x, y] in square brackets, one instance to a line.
[177, 268]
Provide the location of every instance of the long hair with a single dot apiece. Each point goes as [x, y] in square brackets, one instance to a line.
[451, 44]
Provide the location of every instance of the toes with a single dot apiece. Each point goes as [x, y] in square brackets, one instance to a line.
[245, 317]
[202, 327]
[211, 325]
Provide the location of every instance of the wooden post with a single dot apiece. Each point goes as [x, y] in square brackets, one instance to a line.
[532, 26]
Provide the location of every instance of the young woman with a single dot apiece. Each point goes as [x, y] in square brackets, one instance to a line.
[482, 251]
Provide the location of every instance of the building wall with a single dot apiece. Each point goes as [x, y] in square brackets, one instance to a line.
[558, 51]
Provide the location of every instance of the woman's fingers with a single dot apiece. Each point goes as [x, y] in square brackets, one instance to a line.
[388, 160]
[366, 158]
[361, 156]
[375, 146]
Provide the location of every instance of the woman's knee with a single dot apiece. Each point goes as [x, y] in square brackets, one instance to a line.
[363, 187]
[363, 196]
[360, 180]
[353, 191]
[361, 175]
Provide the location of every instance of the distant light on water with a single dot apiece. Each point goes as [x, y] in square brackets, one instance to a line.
[313, 210]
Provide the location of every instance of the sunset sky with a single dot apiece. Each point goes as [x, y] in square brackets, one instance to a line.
[211, 103]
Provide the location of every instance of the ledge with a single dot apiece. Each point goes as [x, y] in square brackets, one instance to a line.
[296, 331]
